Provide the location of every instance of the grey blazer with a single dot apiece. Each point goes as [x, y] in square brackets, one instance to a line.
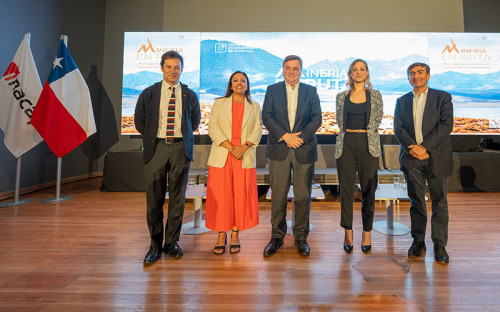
[375, 113]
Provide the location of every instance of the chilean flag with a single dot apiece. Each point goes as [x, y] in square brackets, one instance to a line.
[63, 114]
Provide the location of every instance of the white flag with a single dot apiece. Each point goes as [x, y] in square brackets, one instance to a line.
[20, 88]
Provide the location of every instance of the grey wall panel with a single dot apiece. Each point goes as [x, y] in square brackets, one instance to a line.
[314, 15]
[83, 22]
[123, 16]
[482, 15]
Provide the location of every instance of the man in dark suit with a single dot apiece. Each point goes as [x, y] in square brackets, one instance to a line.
[166, 115]
[423, 121]
[292, 115]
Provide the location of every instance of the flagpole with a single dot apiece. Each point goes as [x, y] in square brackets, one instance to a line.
[16, 201]
[58, 197]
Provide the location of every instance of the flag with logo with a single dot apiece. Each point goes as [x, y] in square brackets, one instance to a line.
[20, 88]
[63, 114]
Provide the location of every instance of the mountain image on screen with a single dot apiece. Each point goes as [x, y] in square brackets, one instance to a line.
[264, 68]
[473, 84]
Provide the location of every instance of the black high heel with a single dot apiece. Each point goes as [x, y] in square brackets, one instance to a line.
[223, 248]
[236, 247]
[348, 248]
[366, 248]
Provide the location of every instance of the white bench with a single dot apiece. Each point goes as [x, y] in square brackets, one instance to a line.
[196, 192]
[390, 193]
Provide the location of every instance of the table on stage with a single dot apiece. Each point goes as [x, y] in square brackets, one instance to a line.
[390, 193]
[316, 193]
[196, 192]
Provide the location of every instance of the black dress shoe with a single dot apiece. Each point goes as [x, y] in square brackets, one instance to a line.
[174, 250]
[303, 248]
[348, 248]
[273, 246]
[152, 256]
[440, 254]
[416, 248]
[366, 248]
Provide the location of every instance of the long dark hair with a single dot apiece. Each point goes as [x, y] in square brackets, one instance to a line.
[229, 91]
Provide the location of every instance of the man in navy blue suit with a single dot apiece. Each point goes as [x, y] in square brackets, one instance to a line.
[166, 115]
[292, 115]
[423, 121]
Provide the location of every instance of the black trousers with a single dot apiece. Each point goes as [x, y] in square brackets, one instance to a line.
[357, 158]
[416, 176]
[280, 174]
[168, 162]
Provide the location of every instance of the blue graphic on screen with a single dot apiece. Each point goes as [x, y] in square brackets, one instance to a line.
[466, 65]
[219, 59]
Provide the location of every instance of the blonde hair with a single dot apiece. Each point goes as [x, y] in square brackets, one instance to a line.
[350, 83]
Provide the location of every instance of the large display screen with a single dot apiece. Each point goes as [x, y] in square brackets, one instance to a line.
[467, 65]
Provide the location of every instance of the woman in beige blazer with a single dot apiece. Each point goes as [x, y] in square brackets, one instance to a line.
[235, 127]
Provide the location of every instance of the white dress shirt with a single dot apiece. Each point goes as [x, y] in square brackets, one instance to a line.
[292, 96]
[418, 114]
[166, 93]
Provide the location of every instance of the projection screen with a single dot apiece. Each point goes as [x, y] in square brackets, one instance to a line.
[467, 65]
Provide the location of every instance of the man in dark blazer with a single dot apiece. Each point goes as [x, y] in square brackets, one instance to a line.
[292, 115]
[423, 121]
[168, 152]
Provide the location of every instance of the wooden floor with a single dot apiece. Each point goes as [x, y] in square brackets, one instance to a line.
[86, 255]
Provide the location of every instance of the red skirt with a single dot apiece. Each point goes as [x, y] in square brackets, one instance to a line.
[232, 197]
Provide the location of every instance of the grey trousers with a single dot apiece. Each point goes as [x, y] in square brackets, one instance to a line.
[280, 174]
[169, 162]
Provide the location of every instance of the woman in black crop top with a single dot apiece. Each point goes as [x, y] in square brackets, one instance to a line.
[359, 113]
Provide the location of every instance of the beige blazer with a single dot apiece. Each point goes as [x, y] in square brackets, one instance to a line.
[220, 128]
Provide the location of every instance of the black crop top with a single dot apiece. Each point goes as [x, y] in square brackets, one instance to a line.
[356, 114]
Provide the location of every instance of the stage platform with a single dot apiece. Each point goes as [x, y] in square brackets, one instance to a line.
[87, 254]
[473, 172]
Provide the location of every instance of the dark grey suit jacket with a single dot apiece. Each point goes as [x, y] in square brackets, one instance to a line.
[307, 120]
[437, 124]
[147, 113]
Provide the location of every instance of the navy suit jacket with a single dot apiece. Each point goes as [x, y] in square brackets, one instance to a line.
[307, 120]
[437, 124]
[147, 113]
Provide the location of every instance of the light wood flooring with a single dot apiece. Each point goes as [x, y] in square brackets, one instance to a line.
[86, 255]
